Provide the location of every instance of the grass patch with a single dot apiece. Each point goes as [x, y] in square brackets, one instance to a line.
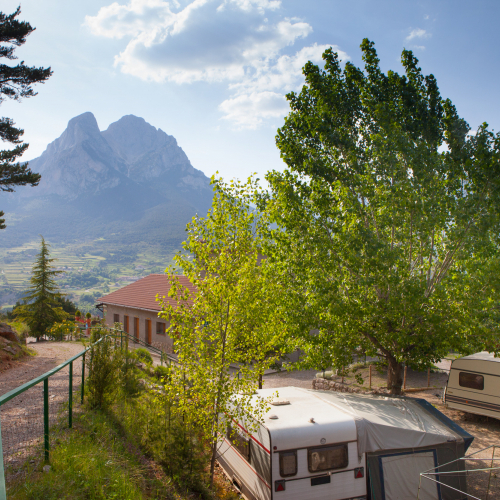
[89, 462]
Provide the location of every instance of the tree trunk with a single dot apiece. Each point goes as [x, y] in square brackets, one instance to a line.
[212, 462]
[260, 381]
[394, 375]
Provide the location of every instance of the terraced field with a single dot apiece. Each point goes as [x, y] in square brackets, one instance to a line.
[88, 272]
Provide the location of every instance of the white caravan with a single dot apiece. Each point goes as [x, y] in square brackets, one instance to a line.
[474, 385]
[316, 445]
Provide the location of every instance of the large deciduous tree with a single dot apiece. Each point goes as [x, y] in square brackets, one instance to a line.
[226, 325]
[41, 306]
[388, 215]
[15, 83]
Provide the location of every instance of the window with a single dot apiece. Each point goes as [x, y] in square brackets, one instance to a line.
[239, 441]
[327, 457]
[160, 328]
[288, 463]
[471, 381]
[116, 318]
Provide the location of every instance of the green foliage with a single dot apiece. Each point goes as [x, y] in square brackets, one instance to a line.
[129, 374]
[103, 363]
[66, 304]
[143, 355]
[164, 432]
[16, 83]
[389, 245]
[41, 308]
[227, 313]
[90, 461]
[88, 315]
[160, 372]
[62, 330]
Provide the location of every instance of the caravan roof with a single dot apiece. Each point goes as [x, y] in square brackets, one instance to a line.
[377, 423]
[485, 356]
[480, 362]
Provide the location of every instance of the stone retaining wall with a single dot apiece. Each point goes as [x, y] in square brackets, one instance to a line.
[330, 385]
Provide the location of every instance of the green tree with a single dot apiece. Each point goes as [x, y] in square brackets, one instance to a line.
[41, 307]
[225, 319]
[388, 215]
[15, 83]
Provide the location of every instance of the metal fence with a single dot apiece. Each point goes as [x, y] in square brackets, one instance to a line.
[480, 470]
[32, 414]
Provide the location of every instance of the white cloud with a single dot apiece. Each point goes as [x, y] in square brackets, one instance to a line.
[419, 47]
[249, 110]
[240, 42]
[417, 33]
[426, 16]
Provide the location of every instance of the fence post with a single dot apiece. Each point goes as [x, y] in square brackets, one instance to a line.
[3, 491]
[46, 417]
[83, 376]
[428, 377]
[371, 376]
[70, 398]
[404, 381]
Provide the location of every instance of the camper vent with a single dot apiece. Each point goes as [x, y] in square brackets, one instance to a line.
[280, 402]
[273, 417]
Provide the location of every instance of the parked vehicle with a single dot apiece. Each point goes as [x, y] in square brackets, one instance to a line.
[317, 445]
[474, 384]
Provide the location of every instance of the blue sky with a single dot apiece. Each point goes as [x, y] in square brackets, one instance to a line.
[213, 73]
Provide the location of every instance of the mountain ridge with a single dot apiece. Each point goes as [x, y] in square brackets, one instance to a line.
[121, 180]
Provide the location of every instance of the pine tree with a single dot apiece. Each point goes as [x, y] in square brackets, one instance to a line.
[41, 308]
[15, 83]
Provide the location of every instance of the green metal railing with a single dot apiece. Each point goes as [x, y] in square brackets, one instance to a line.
[46, 423]
[114, 333]
[164, 356]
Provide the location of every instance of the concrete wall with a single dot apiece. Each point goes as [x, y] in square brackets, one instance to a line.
[161, 341]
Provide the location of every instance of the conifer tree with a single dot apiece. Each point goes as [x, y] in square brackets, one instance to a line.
[41, 308]
[15, 83]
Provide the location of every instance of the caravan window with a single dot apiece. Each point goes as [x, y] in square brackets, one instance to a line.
[471, 381]
[327, 457]
[288, 463]
[240, 442]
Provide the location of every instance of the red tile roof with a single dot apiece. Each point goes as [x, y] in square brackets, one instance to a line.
[142, 293]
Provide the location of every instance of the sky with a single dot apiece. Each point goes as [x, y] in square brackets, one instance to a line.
[214, 73]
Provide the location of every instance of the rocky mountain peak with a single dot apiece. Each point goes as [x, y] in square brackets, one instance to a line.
[80, 128]
[132, 137]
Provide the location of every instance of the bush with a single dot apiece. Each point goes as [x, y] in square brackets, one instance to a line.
[144, 355]
[103, 362]
[161, 372]
[158, 426]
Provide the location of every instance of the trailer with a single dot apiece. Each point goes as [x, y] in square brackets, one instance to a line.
[474, 384]
[315, 445]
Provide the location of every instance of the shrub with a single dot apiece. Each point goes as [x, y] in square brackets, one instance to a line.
[103, 362]
[144, 355]
[161, 372]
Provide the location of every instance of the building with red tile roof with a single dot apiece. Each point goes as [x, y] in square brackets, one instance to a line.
[136, 307]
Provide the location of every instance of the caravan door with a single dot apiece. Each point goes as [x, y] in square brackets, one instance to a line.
[400, 476]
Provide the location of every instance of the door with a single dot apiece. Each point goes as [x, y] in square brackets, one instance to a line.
[136, 328]
[148, 331]
[401, 476]
[125, 323]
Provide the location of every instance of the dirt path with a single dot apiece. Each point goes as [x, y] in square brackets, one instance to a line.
[49, 355]
[22, 417]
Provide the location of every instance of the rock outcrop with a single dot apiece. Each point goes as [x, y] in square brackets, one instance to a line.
[7, 332]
